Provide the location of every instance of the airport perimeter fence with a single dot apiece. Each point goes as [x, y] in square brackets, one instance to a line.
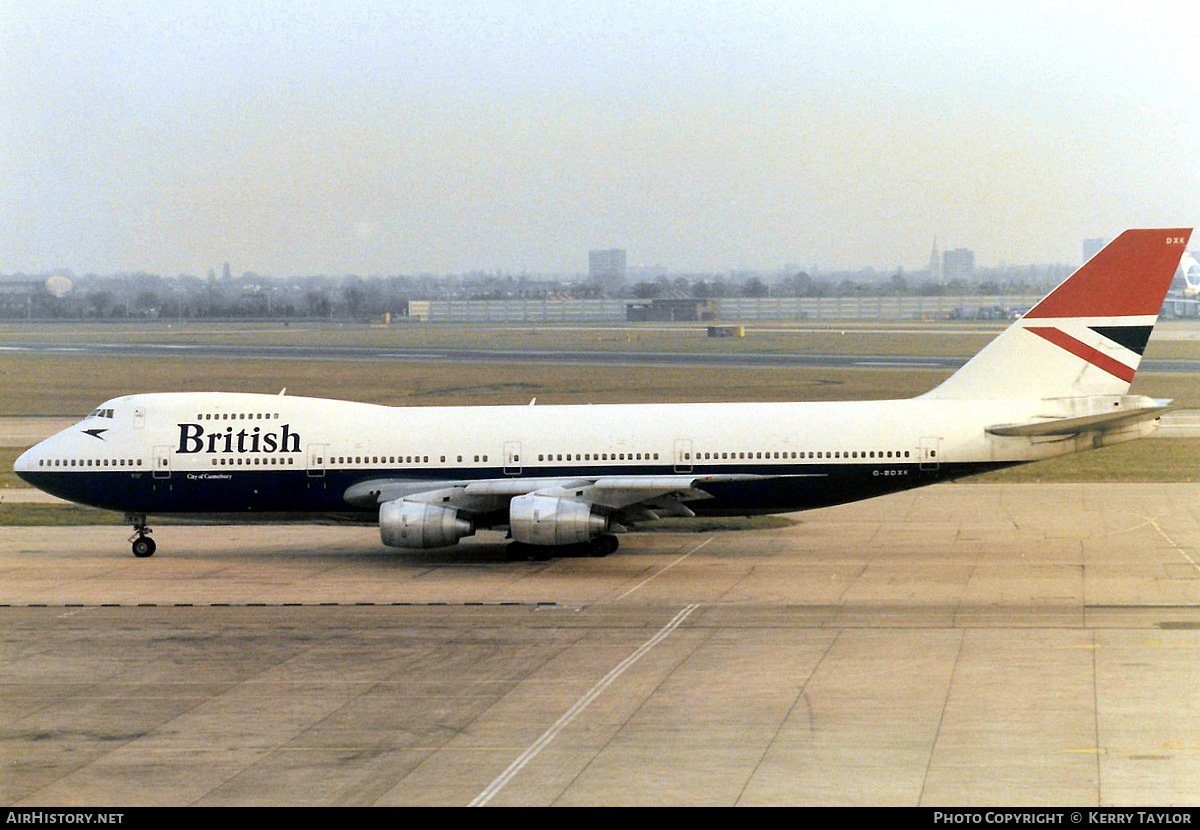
[754, 309]
[730, 309]
[518, 311]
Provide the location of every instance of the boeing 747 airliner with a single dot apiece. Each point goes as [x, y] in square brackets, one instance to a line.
[568, 478]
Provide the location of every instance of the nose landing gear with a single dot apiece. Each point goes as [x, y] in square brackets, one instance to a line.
[142, 544]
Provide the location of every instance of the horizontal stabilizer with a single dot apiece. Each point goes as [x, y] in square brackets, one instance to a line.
[1100, 422]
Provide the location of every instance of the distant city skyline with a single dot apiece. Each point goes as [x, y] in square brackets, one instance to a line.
[447, 136]
[604, 266]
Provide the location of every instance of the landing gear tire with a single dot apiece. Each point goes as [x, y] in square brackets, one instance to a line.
[518, 551]
[598, 547]
[143, 545]
[603, 546]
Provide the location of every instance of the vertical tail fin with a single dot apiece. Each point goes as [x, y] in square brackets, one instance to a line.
[1087, 336]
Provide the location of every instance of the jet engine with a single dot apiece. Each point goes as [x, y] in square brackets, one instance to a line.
[1191, 274]
[415, 524]
[538, 519]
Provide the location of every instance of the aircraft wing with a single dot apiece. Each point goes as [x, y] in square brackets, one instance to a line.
[638, 498]
[607, 494]
[470, 496]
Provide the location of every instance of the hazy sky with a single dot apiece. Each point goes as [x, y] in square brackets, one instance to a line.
[400, 137]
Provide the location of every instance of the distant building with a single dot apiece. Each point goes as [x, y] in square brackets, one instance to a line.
[958, 264]
[607, 269]
[22, 298]
[1091, 247]
[935, 263]
[671, 310]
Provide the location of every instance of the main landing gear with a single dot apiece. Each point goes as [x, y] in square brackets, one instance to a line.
[143, 545]
[600, 546]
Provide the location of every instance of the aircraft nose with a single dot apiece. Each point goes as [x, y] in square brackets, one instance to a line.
[27, 462]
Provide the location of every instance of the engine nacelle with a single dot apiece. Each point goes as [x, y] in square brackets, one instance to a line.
[552, 520]
[415, 524]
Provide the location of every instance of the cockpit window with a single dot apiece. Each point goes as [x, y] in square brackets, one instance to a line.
[99, 413]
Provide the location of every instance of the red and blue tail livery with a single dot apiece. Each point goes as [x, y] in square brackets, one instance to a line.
[1088, 335]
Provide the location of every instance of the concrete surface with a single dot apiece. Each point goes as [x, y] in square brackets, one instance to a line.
[980, 645]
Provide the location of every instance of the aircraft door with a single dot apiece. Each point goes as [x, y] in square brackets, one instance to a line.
[162, 461]
[931, 453]
[683, 455]
[512, 458]
[317, 459]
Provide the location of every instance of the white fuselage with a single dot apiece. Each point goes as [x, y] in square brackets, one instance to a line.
[243, 454]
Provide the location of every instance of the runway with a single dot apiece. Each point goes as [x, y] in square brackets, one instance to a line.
[454, 355]
[966, 644]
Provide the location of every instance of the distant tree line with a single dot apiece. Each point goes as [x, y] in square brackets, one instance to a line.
[351, 297]
[857, 284]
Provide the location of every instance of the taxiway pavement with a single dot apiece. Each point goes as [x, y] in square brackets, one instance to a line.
[965, 644]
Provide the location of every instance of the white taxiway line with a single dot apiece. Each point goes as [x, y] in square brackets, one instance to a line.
[664, 570]
[580, 705]
[1178, 548]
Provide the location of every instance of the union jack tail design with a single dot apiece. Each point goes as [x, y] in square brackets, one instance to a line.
[1088, 335]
